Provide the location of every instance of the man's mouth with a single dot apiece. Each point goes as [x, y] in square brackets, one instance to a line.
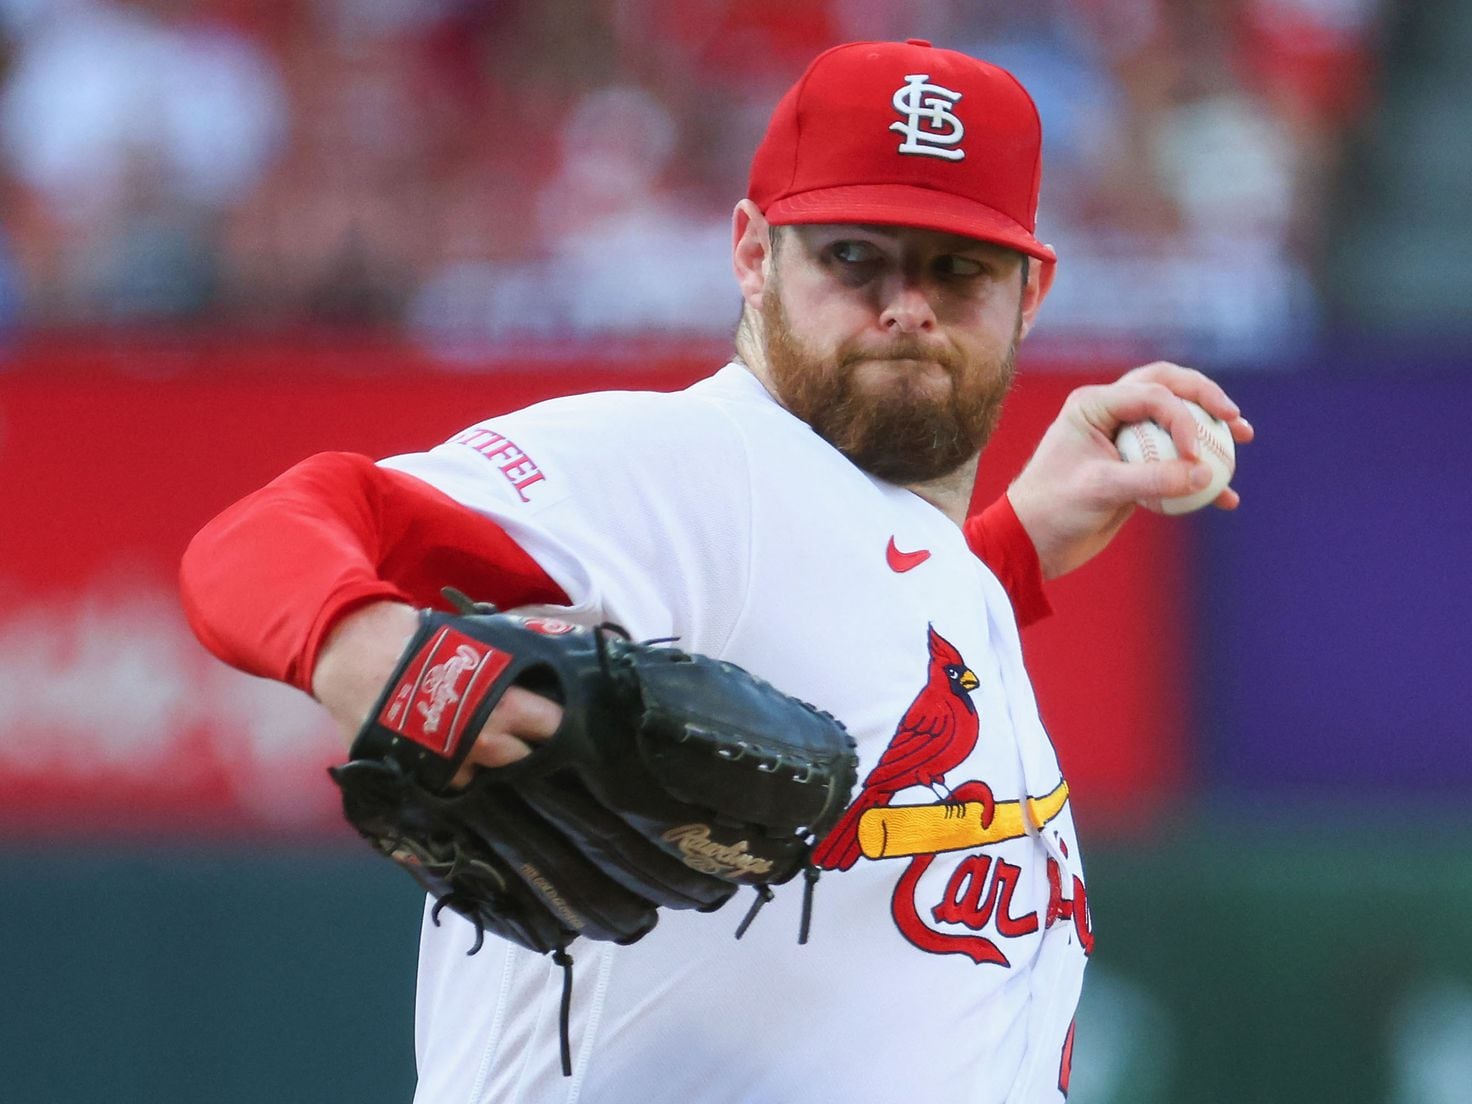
[885, 368]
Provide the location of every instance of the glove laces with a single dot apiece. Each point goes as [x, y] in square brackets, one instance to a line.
[564, 1015]
[810, 874]
[559, 956]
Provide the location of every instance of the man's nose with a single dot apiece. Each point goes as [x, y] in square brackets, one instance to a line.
[907, 307]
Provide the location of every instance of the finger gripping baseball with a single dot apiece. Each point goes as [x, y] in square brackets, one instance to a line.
[671, 780]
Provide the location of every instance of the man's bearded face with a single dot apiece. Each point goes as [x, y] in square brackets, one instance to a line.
[903, 423]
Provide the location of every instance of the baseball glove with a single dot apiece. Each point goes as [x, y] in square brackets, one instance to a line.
[672, 780]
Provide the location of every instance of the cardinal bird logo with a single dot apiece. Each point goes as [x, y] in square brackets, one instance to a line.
[936, 734]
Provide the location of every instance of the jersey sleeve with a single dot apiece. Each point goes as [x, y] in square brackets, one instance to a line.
[264, 582]
[999, 541]
[637, 504]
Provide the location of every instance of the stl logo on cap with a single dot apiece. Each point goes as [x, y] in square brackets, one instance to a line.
[931, 127]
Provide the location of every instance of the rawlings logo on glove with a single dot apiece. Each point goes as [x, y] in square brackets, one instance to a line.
[723, 860]
[431, 684]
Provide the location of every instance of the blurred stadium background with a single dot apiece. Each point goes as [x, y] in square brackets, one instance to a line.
[236, 233]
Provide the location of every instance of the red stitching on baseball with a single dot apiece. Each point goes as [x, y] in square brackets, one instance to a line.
[1146, 440]
[1205, 435]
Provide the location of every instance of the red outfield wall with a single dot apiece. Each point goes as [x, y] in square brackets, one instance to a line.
[112, 455]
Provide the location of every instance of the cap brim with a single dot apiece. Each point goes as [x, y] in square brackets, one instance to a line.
[907, 205]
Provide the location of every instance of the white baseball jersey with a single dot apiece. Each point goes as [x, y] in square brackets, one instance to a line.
[945, 962]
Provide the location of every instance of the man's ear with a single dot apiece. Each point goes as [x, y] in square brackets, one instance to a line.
[751, 250]
[1039, 282]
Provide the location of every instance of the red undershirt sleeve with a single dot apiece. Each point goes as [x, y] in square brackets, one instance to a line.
[999, 541]
[265, 581]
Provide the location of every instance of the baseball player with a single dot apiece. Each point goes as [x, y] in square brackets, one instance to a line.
[801, 513]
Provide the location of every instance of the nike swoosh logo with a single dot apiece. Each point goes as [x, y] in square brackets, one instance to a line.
[904, 561]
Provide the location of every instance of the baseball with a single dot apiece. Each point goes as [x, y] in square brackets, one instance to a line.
[1147, 441]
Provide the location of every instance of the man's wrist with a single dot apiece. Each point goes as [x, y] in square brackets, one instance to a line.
[1002, 542]
[361, 651]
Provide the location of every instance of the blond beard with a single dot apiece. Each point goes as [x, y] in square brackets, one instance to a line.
[905, 435]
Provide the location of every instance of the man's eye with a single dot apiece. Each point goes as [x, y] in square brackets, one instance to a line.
[854, 252]
[954, 265]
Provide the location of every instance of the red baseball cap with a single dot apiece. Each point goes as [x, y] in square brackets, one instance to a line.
[905, 134]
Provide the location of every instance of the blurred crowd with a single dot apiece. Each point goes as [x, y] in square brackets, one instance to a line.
[473, 172]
